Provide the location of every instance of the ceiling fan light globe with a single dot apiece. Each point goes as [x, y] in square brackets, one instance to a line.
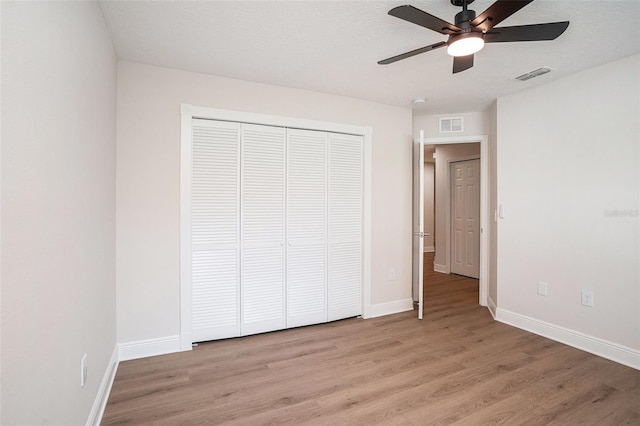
[463, 46]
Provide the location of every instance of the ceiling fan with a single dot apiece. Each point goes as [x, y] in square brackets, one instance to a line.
[471, 32]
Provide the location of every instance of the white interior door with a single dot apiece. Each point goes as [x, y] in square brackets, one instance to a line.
[344, 289]
[262, 229]
[215, 230]
[465, 218]
[418, 223]
[306, 227]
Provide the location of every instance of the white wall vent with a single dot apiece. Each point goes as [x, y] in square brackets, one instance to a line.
[533, 74]
[451, 124]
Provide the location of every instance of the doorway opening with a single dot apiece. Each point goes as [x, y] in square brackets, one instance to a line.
[439, 226]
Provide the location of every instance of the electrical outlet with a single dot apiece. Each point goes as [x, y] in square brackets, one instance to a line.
[392, 274]
[587, 298]
[83, 370]
[542, 288]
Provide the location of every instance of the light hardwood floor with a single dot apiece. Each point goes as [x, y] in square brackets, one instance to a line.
[457, 366]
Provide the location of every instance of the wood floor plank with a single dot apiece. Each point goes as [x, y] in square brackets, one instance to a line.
[473, 399]
[502, 412]
[457, 366]
[619, 418]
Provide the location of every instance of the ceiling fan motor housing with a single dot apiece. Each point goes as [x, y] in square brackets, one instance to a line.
[461, 3]
[463, 19]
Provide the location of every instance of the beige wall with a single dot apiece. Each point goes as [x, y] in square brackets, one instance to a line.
[148, 172]
[429, 206]
[568, 155]
[58, 209]
[445, 154]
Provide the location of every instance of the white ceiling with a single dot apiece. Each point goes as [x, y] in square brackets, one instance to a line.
[333, 46]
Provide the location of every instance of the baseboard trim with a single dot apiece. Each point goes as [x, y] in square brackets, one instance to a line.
[149, 347]
[100, 403]
[492, 306]
[603, 348]
[429, 249]
[440, 268]
[388, 308]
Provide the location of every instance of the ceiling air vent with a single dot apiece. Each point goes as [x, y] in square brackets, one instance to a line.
[451, 124]
[534, 73]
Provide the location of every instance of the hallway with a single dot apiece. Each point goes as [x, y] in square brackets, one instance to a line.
[443, 290]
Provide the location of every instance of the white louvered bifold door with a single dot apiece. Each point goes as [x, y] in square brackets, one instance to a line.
[345, 226]
[215, 226]
[263, 229]
[306, 227]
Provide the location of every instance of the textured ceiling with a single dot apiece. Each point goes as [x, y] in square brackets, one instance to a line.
[333, 46]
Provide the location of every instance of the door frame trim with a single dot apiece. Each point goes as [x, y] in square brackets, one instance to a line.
[484, 205]
[187, 114]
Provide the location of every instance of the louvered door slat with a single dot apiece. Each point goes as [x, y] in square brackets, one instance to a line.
[306, 286]
[215, 196]
[214, 295]
[263, 228]
[344, 278]
[345, 226]
[306, 227]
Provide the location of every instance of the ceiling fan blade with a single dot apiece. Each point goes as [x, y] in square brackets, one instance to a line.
[498, 12]
[533, 32]
[412, 53]
[418, 17]
[461, 63]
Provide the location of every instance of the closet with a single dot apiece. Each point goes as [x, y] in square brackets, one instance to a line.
[276, 228]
